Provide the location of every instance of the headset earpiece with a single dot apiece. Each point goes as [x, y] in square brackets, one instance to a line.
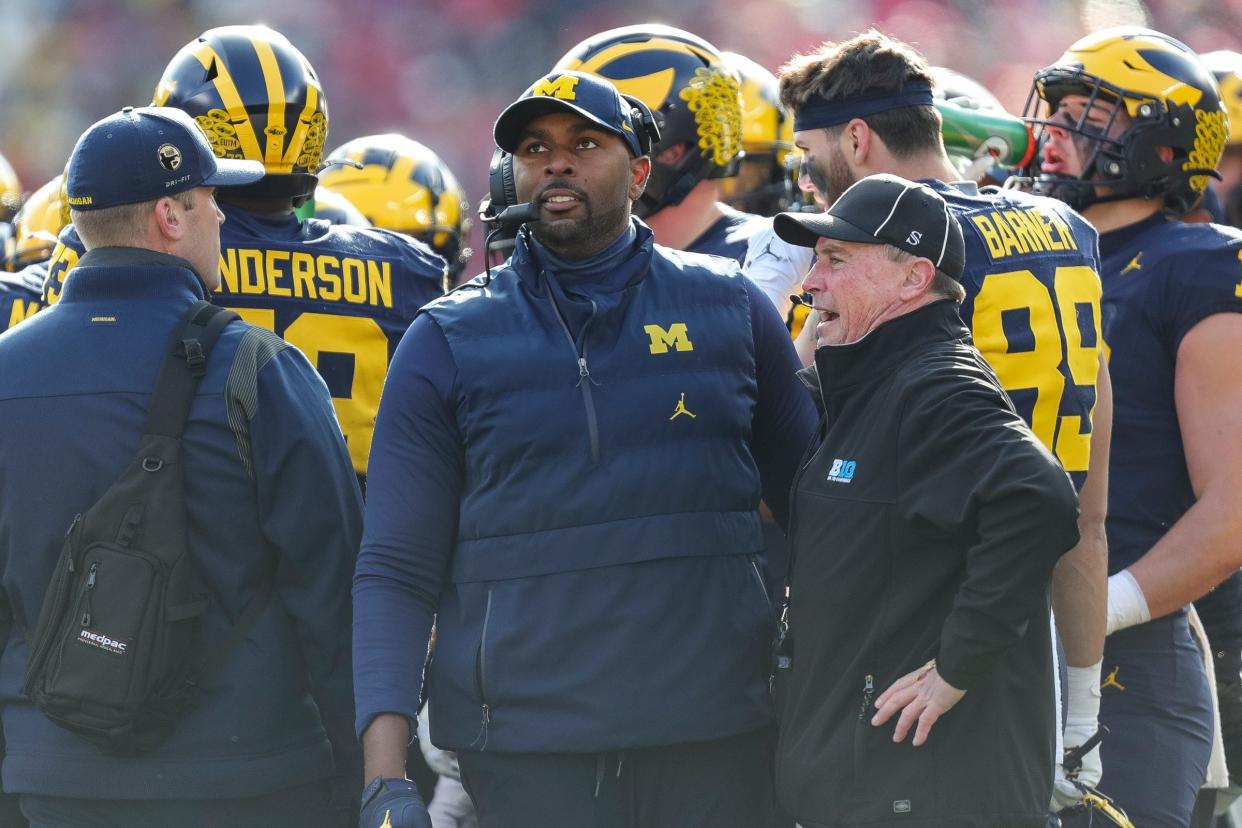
[648, 128]
[500, 181]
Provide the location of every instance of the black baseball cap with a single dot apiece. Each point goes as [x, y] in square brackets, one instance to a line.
[885, 209]
[141, 154]
[594, 98]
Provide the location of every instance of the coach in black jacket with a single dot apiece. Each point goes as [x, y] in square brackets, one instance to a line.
[924, 532]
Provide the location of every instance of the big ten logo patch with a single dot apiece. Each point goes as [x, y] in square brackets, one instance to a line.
[842, 471]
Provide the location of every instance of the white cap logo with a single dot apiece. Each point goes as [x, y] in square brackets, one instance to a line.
[914, 238]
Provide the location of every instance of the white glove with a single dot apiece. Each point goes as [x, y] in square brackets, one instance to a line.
[443, 762]
[1127, 605]
[1082, 702]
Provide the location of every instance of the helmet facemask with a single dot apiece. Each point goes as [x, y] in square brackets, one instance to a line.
[1157, 154]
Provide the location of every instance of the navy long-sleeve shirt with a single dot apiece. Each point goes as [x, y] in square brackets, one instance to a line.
[416, 480]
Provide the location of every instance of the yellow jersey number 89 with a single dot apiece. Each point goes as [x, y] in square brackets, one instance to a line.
[1054, 322]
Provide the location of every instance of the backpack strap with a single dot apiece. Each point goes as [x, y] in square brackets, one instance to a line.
[184, 366]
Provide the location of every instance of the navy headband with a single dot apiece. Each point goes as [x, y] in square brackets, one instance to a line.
[819, 112]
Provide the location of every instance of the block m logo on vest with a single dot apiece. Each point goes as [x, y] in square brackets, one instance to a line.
[676, 337]
[562, 88]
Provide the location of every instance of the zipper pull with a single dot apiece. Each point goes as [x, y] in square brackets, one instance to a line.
[487, 714]
[868, 695]
[583, 373]
[90, 586]
[74, 525]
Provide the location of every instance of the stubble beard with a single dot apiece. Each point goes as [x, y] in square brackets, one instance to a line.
[577, 239]
[832, 178]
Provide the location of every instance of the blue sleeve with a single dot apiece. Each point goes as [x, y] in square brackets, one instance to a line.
[310, 511]
[1197, 287]
[785, 416]
[414, 485]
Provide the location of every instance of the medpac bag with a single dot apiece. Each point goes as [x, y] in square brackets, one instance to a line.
[114, 655]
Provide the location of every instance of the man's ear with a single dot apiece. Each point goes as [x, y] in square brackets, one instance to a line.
[857, 138]
[168, 219]
[918, 278]
[640, 170]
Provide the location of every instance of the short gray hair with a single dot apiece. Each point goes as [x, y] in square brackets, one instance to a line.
[122, 226]
[941, 285]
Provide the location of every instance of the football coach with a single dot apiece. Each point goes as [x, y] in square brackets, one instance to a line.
[924, 532]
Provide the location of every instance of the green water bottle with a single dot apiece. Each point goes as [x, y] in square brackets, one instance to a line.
[975, 133]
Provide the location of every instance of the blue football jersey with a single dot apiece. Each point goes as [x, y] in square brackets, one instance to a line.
[19, 294]
[1161, 278]
[1033, 306]
[343, 295]
[730, 235]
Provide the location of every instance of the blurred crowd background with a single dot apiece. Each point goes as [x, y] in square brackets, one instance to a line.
[440, 71]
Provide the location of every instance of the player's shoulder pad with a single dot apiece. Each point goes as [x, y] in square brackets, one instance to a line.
[1195, 252]
[69, 238]
[744, 226]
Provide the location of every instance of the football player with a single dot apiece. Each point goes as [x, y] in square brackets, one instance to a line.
[696, 99]
[1131, 129]
[399, 184]
[342, 294]
[866, 106]
[332, 208]
[35, 228]
[765, 179]
[1226, 66]
[10, 191]
[765, 184]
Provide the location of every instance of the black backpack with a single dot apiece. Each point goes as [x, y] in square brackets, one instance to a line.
[115, 657]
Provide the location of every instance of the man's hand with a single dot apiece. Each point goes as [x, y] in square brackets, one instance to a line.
[921, 696]
[392, 803]
[1082, 714]
[1065, 793]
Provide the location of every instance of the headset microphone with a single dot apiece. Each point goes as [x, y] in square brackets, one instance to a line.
[509, 218]
[518, 213]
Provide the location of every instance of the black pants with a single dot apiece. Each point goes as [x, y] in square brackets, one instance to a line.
[305, 806]
[721, 784]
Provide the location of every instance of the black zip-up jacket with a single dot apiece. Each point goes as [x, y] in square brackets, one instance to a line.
[925, 524]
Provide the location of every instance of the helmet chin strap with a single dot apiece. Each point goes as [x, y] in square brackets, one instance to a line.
[1078, 193]
[667, 186]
